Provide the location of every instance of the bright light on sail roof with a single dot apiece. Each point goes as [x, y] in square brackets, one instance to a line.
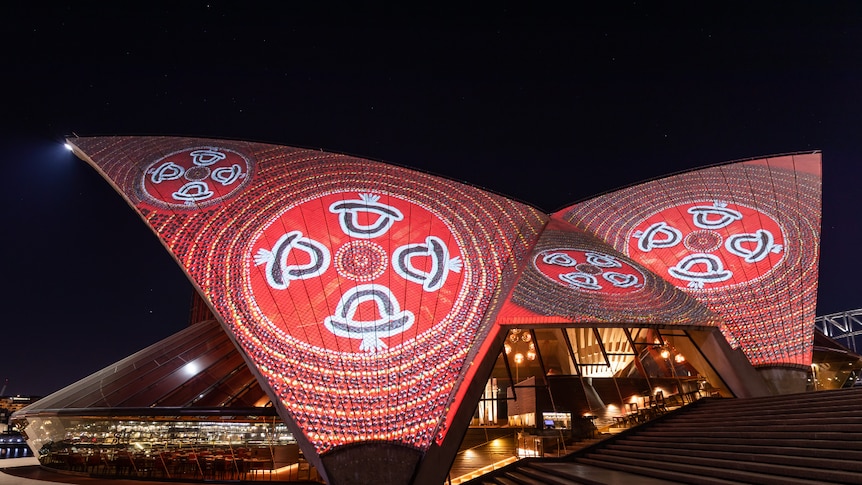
[191, 368]
[357, 289]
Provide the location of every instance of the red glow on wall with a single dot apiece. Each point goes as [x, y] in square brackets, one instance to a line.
[708, 244]
[742, 238]
[589, 270]
[362, 293]
[195, 177]
[348, 272]
[356, 296]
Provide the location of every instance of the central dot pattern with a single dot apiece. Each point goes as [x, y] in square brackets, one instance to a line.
[361, 260]
[703, 241]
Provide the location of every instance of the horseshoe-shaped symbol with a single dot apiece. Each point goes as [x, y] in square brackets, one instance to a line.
[702, 216]
[765, 245]
[227, 175]
[559, 259]
[279, 273]
[193, 192]
[620, 280]
[441, 264]
[713, 273]
[658, 235]
[348, 211]
[603, 260]
[167, 171]
[581, 280]
[392, 321]
[206, 157]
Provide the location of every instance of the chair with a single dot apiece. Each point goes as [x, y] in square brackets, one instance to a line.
[195, 465]
[219, 468]
[648, 401]
[109, 464]
[144, 465]
[239, 468]
[76, 462]
[123, 464]
[184, 466]
[675, 400]
[206, 464]
[659, 403]
[261, 466]
[632, 415]
[711, 391]
[167, 464]
[94, 462]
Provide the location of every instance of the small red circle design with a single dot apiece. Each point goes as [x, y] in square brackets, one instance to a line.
[195, 177]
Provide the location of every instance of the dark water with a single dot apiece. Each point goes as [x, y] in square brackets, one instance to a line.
[15, 452]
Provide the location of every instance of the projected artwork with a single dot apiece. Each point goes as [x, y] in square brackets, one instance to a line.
[367, 263]
[357, 296]
[742, 238]
[709, 244]
[195, 177]
[575, 277]
[365, 296]
[588, 270]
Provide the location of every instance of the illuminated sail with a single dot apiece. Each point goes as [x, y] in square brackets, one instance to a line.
[357, 289]
[573, 277]
[743, 238]
[368, 299]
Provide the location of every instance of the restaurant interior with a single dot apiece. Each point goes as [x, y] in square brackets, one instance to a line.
[550, 389]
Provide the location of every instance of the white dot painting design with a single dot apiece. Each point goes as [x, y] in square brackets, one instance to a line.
[708, 245]
[588, 270]
[195, 177]
[348, 266]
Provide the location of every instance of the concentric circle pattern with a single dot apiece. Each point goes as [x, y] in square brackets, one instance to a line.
[356, 295]
[195, 177]
[312, 272]
[709, 244]
[575, 276]
[361, 260]
[589, 271]
[743, 238]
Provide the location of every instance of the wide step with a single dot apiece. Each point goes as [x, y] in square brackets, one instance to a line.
[805, 439]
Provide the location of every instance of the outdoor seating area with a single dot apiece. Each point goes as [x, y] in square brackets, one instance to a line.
[648, 407]
[200, 445]
[218, 463]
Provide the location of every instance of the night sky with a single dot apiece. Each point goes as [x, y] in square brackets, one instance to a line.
[549, 106]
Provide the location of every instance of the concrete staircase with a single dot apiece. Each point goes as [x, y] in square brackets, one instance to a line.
[811, 438]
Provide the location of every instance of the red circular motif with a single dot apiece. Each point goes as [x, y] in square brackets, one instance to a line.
[409, 266]
[708, 245]
[361, 260]
[195, 177]
[589, 270]
[703, 241]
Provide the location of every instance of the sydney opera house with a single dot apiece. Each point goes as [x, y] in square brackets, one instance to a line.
[355, 318]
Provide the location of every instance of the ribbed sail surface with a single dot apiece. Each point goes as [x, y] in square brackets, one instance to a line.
[743, 238]
[367, 299]
[197, 367]
[572, 276]
[356, 289]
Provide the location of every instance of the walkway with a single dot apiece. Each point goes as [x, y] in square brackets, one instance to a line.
[27, 471]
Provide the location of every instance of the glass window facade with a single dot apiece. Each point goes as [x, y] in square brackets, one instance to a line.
[599, 375]
[209, 446]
